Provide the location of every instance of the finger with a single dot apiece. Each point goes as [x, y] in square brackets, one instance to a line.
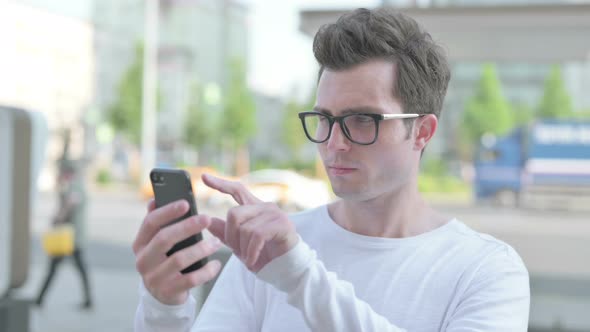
[169, 284]
[252, 228]
[255, 247]
[156, 219]
[235, 217]
[270, 231]
[244, 238]
[151, 206]
[231, 234]
[184, 258]
[217, 228]
[234, 188]
[256, 239]
[187, 281]
[154, 253]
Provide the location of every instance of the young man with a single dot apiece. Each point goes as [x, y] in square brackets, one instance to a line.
[378, 259]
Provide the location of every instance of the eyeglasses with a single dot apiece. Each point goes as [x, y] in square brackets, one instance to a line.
[359, 128]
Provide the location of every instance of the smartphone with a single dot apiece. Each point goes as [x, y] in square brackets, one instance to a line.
[172, 185]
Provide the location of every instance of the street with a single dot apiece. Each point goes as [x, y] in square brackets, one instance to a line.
[554, 246]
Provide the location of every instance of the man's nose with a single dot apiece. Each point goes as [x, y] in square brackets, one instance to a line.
[338, 140]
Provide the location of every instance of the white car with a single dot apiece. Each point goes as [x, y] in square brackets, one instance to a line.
[290, 190]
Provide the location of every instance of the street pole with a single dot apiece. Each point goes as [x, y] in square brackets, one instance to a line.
[226, 159]
[149, 92]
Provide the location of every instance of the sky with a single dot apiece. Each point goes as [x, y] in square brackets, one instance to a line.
[281, 61]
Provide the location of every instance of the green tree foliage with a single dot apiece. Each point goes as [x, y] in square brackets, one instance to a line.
[582, 115]
[125, 113]
[198, 127]
[293, 135]
[556, 102]
[486, 112]
[238, 124]
[523, 114]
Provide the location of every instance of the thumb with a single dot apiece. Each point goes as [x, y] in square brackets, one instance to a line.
[217, 228]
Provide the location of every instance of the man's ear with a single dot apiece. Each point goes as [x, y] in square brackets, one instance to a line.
[425, 128]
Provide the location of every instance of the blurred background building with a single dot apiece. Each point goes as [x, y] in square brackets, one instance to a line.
[197, 41]
[48, 65]
[82, 50]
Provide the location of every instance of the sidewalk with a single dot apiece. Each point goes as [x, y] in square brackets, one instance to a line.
[115, 296]
[113, 221]
[114, 284]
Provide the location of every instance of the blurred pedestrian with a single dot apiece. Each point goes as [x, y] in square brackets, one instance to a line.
[71, 211]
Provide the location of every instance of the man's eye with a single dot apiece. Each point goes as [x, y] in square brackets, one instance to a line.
[362, 119]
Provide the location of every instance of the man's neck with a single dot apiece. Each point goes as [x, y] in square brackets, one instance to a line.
[394, 215]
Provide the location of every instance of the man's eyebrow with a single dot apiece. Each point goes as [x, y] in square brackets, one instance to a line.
[322, 110]
[352, 110]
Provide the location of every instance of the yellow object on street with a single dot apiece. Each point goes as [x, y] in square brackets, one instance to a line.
[59, 241]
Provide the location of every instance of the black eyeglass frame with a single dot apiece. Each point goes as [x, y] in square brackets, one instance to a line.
[340, 119]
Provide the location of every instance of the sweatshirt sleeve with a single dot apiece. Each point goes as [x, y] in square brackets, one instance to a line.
[154, 316]
[327, 303]
[497, 297]
[228, 308]
[497, 300]
[231, 305]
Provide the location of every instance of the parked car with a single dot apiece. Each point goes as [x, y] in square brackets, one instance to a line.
[290, 190]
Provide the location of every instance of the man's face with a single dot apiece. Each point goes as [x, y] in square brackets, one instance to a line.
[363, 172]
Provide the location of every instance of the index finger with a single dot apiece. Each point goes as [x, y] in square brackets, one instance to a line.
[151, 206]
[234, 188]
[157, 219]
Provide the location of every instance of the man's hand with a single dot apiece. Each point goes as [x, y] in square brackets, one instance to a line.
[160, 273]
[257, 232]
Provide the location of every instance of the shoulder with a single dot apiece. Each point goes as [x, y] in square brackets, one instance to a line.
[313, 224]
[490, 258]
[306, 217]
[486, 244]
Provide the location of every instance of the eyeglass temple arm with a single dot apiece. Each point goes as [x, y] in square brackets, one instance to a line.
[401, 116]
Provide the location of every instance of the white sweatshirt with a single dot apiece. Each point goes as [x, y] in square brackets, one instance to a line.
[449, 279]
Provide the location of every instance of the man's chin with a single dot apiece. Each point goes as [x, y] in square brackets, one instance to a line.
[349, 194]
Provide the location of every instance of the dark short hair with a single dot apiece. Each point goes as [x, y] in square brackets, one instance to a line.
[422, 71]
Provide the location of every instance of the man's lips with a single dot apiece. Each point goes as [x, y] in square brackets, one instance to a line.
[340, 170]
